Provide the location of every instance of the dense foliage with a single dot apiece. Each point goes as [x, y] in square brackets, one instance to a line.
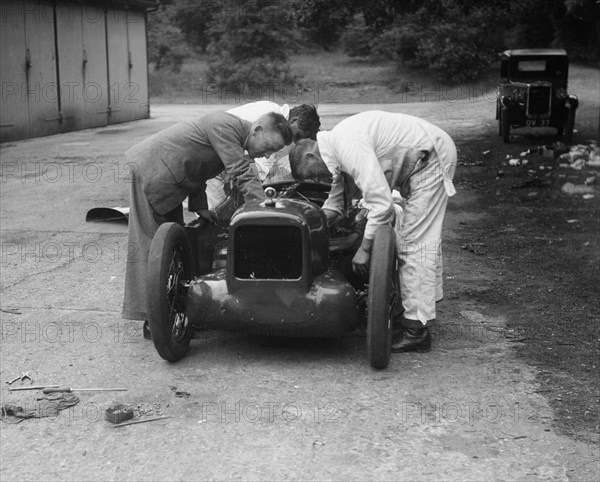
[248, 46]
[250, 40]
[167, 47]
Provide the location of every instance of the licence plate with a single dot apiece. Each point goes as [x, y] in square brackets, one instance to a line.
[537, 122]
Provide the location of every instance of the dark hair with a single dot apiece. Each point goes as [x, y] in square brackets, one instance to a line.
[308, 119]
[280, 124]
[306, 171]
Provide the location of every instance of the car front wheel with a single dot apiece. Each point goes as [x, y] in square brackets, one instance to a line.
[381, 281]
[170, 269]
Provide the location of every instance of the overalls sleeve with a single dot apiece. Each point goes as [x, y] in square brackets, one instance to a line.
[335, 200]
[359, 160]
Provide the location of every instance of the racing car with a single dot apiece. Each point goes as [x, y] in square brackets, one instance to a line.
[271, 268]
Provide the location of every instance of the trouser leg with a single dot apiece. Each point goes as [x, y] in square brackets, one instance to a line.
[143, 223]
[420, 246]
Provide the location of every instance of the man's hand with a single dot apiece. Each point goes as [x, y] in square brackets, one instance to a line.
[332, 217]
[208, 216]
[360, 262]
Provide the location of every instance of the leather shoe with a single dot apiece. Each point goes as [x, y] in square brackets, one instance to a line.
[146, 331]
[412, 339]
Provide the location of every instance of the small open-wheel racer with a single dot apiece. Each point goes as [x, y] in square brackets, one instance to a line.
[280, 272]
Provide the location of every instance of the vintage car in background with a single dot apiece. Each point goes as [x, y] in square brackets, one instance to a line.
[274, 268]
[533, 92]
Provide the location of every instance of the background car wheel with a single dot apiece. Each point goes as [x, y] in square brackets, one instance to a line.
[505, 125]
[382, 272]
[170, 268]
[569, 126]
[498, 115]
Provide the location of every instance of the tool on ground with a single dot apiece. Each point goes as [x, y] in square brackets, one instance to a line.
[69, 390]
[31, 387]
[140, 421]
[23, 376]
[118, 413]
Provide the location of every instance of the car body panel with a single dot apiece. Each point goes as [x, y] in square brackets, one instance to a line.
[276, 270]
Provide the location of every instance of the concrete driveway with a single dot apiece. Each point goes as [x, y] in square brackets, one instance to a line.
[242, 407]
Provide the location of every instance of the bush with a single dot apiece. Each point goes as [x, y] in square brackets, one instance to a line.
[400, 42]
[356, 40]
[249, 49]
[166, 45]
[453, 52]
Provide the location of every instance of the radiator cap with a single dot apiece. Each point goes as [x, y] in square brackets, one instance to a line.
[270, 192]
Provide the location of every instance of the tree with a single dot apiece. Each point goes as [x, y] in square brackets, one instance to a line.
[249, 44]
[322, 21]
[166, 45]
[193, 17]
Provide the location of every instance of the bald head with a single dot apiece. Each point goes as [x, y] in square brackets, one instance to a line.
[307, 164]
[268, 134]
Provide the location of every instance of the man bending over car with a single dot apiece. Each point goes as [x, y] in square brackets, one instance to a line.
[382, 151]
[176, 163]
[304, 122]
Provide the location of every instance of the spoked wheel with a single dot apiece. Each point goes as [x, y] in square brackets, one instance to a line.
[170, 268]
[381, 283]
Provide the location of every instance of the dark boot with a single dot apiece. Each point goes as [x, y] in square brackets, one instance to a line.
[412, 339]
[146, 331]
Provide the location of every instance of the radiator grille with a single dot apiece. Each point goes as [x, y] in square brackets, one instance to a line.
[267, 252]
[538, 100]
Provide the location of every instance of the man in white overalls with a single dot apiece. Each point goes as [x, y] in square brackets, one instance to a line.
[382, 151]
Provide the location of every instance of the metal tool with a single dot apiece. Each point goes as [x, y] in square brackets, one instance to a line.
[24, 376]
[31, 387]
[141, 421]
[69, 390]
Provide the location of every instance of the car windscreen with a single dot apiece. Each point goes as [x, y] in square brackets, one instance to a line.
[531, 66]
[531, 69]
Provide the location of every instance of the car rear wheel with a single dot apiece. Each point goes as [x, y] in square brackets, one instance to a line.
[381, 281]
[505, 125]
[569, 126]
[170, 268]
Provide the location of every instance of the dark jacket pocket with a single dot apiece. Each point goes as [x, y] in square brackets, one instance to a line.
[176, 168]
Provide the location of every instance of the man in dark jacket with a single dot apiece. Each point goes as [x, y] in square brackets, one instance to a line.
[176, 163]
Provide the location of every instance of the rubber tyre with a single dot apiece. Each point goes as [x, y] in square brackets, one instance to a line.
[498, 117]
[170, 263]
[569, 126]
[381, 280]
[505, 125]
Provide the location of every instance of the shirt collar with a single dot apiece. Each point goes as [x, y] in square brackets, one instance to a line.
[327, 151]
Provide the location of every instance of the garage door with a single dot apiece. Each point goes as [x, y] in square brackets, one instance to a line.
[14, 123]
[136, 32]
[95, 73]
[70, 65]
[42, 91]
[119, 87]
